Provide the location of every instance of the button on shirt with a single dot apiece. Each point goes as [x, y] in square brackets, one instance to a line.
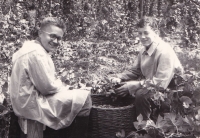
[158, 65]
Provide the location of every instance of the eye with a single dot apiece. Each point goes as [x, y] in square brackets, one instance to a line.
[140, 33]
[53, 36]
[146, 33]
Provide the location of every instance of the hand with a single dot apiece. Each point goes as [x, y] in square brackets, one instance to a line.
[179, 70]
[123, 90]
[115, 80]
[128, 87]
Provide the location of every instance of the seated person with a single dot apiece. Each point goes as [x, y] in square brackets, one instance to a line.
[35, 92]
[156, 63]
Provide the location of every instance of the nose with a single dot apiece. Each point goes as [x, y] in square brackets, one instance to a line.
[55, 40]
[142, 35]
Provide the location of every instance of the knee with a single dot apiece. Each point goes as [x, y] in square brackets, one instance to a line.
[85, 111]
[139, 98]
[141, 95]
[89, 101]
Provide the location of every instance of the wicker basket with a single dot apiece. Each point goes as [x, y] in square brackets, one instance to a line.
[106, 122]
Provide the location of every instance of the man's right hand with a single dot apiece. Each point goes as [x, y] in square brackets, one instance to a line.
[115, 80]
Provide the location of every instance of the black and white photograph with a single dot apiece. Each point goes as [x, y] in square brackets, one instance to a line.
[99, 69]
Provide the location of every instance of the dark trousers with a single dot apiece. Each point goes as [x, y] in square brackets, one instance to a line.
[78, 128]
[145, 106]
[142, 104]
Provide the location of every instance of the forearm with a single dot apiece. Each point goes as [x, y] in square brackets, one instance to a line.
[127, 75]
[49, 87]
[133, 86]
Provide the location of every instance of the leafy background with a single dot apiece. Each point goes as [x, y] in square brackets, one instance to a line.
[100, 36]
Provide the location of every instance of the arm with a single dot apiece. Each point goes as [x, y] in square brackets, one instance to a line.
[165, 69]
[42, 74]
[130, 86]
[163, 73]
[133, 73]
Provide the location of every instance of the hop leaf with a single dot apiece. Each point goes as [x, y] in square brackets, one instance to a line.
[160, 123]
[140, 123]
[173, 122]
[196, 96]
[2, 108]
[159, 95]
[2, 98]
[186, 105]
[120, 134]
[186, 101]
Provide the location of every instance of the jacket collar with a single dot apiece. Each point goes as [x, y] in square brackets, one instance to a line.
[151, 50]
[27, 47]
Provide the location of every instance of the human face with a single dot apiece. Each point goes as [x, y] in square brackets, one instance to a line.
[50, 37]
[146, 35]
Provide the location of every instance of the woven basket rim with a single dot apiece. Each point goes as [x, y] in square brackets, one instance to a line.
[114, 108]
[97, 94]
[101, 94]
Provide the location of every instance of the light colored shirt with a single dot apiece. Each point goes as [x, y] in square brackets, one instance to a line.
[35, 92]
[158, 65]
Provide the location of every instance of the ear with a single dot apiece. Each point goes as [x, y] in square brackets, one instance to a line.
[156, 31]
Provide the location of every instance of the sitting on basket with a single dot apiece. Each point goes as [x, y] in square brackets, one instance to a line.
[156, 63]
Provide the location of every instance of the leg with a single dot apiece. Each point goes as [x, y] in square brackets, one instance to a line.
[142, 104]
[79, 127]
[85, 111]
[22, 135]
[34, 129]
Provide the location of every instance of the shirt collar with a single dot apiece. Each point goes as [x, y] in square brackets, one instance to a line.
[151, 50]
[37, 41]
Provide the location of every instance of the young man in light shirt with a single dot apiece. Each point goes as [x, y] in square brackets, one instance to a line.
[37, 95]
[156, 63]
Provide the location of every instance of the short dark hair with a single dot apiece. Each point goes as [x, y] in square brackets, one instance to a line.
[53, 21]
[146, 21]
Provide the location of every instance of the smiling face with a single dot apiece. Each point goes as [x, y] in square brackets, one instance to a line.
[146, 35]
[50, 37]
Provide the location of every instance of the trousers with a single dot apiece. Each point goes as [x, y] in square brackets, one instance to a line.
[144, 105]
